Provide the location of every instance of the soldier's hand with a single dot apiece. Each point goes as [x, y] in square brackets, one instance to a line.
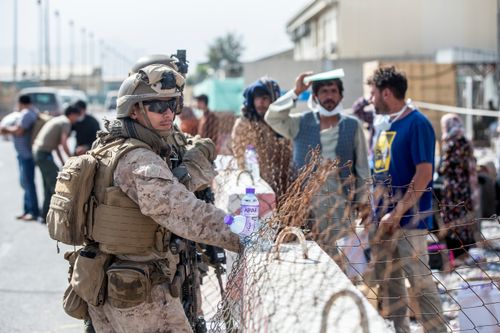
[300, 86]
[205, 145]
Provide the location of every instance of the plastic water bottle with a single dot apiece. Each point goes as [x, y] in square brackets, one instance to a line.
[250, 207]
[239, 225]
[252, 162]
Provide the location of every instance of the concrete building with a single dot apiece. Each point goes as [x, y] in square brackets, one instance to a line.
[347, 33]
[347, 29]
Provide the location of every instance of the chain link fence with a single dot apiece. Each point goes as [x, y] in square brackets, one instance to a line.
[411, 278]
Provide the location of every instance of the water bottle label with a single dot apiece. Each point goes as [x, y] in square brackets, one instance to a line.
[250, 211]
[249, 227]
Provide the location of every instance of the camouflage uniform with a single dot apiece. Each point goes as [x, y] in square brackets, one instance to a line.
[148, 181]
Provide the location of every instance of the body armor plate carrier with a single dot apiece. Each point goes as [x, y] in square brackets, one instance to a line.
[117, 223]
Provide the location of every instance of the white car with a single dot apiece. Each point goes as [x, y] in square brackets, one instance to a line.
[45, 99]
[71, 96]
[110, 102]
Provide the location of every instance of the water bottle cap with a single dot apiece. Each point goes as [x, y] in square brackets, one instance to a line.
[250, 190]
[228, 219]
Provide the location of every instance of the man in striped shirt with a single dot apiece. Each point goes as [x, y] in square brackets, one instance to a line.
[21, 134]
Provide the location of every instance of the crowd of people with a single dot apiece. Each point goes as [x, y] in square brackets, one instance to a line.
[160, 177]
[397, 157]
[37, 149]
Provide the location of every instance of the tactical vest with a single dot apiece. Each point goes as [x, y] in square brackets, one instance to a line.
[118, 224]
[309, 138]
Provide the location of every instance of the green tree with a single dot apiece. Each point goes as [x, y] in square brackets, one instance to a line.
[223, 53]
[201, 73]
[225, 49]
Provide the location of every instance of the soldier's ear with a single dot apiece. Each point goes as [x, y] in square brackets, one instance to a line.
[134, 111]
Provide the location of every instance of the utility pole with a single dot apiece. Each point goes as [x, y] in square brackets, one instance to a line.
[90, 80]
[47, 38]
[14, 62]
[58, 44]
[40, 39]
[91, 51]
[84, 58]
[71, 48]
[101, 54]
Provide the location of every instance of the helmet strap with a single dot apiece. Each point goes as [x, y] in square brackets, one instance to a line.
[142, 110]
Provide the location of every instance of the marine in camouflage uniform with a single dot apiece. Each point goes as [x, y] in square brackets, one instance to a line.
[146, 106]
[196, 171]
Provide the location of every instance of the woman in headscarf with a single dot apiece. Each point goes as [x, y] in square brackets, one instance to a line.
[460, 187]
[274, 151]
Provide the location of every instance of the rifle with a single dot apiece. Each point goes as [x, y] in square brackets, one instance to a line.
[213, 255]
[184, 282]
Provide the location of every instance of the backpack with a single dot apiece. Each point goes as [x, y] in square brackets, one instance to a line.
[41, 119]
[70, 204]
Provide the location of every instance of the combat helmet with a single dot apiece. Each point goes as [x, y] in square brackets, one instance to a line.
[159, 59]
[153, 82]
[176, 61]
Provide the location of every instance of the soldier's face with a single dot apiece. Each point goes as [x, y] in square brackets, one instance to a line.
[160, 121]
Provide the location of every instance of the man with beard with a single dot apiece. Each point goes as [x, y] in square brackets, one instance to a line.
[403, 162]
[339, 137]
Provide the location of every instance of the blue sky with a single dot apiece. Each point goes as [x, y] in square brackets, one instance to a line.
[134, 28]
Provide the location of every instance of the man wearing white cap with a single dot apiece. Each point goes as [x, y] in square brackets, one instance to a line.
[338, 136]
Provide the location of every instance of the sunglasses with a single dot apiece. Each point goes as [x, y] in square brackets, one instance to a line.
[162, 106]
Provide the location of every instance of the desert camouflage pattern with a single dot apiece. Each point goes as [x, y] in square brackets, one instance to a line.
[200, 169]
[164, 314]
[197, 155]
[148, 181]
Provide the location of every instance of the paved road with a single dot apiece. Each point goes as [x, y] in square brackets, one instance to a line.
[33, 276]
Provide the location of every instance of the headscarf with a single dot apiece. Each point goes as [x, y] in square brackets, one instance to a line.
[263, 86]
[453, 126]
[453, 130]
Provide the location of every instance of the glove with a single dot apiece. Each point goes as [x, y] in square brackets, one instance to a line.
[199, 163]
[206, 146]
